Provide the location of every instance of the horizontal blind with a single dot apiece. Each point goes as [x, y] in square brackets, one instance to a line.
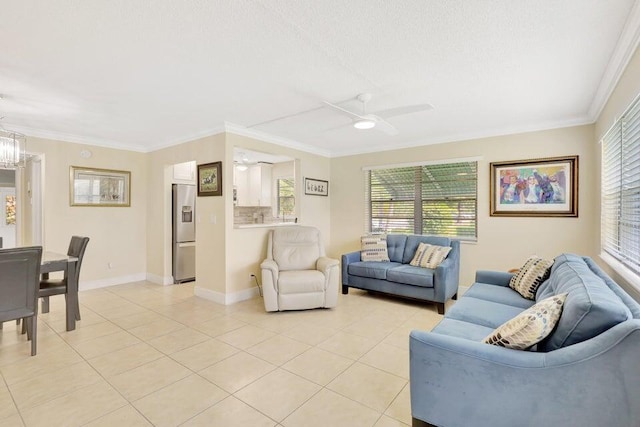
[621, 189]
[435, 199]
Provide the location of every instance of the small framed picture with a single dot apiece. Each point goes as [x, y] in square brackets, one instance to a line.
[537, 187]
[316, 187]
[210, 179]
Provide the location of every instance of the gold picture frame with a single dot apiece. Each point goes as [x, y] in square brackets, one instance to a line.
[99, 187]
[210, 179]
[546, 187]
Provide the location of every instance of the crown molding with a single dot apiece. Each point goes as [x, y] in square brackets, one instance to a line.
[266, 137]
[191, 137]
[622, 54]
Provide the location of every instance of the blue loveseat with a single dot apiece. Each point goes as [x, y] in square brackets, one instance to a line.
[586, 373]
[397, 277]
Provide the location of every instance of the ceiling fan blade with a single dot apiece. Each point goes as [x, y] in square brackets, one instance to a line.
[284, 117]
[351, 113]
[385, 126]
[408, 109]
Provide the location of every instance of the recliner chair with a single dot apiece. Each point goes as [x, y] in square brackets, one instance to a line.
[297, 275]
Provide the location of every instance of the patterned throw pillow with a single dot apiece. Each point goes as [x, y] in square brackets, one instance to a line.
[374, 248]
[529, 327]
[526, 281]
[429, 256]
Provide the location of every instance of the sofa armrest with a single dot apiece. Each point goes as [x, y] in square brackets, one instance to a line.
[346, 260]
[499, 278]
[446, 276]
[454, 380]
[270, 273]
[324, 264]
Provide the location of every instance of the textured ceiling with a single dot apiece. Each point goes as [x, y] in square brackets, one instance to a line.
[143, 74]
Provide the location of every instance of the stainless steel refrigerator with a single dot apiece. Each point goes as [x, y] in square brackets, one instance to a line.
[184, 232]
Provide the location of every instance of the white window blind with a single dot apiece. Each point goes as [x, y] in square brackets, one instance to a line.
[621, 189]
[434, 199]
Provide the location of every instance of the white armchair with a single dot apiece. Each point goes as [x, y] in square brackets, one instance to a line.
[296, 274]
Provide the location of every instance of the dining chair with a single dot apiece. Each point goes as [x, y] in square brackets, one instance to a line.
[50, 287]
[19, 278]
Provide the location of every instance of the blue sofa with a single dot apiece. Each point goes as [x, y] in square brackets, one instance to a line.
[397, 277]
[586, 373]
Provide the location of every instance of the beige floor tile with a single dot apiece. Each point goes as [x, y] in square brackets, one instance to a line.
[237, 371]
[85, 333]
[105, 344]
[127, 416]
[317, 365]
[204, 354]
[400, 408]
[278, 393]
[385, 421]
[330, 409]
[156, 329]
[191, 316]
[393, 360]
[139, 319]
[77, 408]
[178, 340]
[230, 412]
[43, 388]
[44, 362]
[348, 345]
[311, 333]
[7, 405]
[143, 380]
[119, 361]
[219, 325]
[368, 329]
[12, 421]
[278, 349]
[369, 386]
[246, 336]
[180, 401]
[123, 310]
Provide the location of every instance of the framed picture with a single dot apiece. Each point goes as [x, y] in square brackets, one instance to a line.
[210, 179]
[316, 187]
[99, 187]
[537, 187]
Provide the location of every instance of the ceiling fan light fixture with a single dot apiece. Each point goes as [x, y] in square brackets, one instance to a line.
[364, 124]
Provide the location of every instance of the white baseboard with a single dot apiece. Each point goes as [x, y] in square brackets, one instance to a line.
[225, 299]
[103, 283]
[160, 280]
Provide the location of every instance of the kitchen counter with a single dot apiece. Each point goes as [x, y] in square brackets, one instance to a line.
[264, 225]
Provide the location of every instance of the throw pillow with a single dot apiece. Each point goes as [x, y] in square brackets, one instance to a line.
[529, 327]
[429, 256]
[526, 281]
[374, 248]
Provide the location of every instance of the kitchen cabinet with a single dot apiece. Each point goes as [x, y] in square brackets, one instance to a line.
[185, 171]
[253, 185]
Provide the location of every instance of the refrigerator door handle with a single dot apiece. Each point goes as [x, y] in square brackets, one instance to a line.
[186, 244]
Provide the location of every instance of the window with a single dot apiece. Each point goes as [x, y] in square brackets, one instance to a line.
[435, 199]
[286, 196]
[621, 190]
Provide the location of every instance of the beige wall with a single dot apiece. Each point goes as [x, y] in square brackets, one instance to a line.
[502, 243]
[117, 233]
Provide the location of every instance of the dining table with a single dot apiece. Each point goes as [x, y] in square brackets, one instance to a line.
[52, 262]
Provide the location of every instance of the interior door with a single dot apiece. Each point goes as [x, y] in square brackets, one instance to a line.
[8, 216]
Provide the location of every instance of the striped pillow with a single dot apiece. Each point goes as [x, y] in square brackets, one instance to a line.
[374, 248]
[530, 277]
[429, 256]
[529, 327]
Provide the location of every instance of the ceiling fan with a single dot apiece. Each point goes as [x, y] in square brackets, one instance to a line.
[378, 120]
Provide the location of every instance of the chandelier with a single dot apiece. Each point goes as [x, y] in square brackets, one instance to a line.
[12, 149]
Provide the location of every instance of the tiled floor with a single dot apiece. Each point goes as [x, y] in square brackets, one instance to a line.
[145, 355]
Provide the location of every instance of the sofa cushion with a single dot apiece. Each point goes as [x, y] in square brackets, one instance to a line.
[461, 329]
[410, 275]
[371, 269]
[296, 281]
[499, 294]
[374, 248]
[529, 327]
[414, 240]
[590, 308]
[527, 280]
[429, 256]
[395, 246]
[480, 312]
